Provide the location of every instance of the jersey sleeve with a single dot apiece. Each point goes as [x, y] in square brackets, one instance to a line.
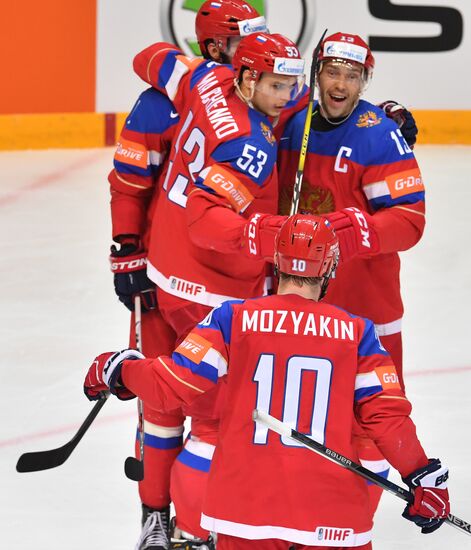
[168, 70]
[392, 183]
[140, 154]
[224, 191]
[166, 383]
[381, 407]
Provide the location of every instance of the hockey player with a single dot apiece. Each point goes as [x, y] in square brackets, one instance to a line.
[362, 175]
[221, 174]
[139, 166]
[315, 366]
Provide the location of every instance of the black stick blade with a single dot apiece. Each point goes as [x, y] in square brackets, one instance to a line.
[134, 469]
[43, 460]
[37, 461]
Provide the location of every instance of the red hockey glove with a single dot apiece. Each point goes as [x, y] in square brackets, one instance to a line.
[105, 373]
[130, 276]
[259, 235]
[431, 503]
[356, 236]
[403, 118]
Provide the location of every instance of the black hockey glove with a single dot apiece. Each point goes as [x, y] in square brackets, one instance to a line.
[403, 118]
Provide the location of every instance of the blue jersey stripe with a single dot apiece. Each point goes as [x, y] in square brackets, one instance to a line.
[161, 442]
[194, 461]
[370, 344]
[366, 392]
[201, 369]
[220, 319]
[124, 168]
[386, 201]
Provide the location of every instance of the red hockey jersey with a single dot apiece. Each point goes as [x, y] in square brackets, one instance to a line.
[315, 367]
[366, 163]
[139, 160]
[221, 170]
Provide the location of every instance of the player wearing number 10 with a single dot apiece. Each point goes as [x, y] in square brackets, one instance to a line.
[311, 364]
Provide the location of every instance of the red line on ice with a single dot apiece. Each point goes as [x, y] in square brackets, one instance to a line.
[74, 427]
[48, 179]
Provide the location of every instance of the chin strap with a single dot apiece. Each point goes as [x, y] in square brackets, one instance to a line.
[326, 281]
[246, 99]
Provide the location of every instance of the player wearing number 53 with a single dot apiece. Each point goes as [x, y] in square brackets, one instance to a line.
[311, 364]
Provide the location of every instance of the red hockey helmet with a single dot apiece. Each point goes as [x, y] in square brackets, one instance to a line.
[306, 246]
[348, 48]
[218, 20]
[271, 53]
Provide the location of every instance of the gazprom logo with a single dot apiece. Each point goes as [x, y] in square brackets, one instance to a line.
[352, 52]
[258, 24]
[177, 22]
[292, 67]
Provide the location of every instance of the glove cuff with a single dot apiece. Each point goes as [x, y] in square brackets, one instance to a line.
[128, 264]
[434, 475]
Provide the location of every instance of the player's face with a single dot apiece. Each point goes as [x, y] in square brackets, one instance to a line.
[340, 86]
[223, 49]
[272, 93]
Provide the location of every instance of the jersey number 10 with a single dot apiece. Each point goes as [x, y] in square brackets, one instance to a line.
[295, 366]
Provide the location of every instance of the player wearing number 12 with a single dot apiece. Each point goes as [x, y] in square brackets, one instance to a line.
[206, 240]
[311, 364]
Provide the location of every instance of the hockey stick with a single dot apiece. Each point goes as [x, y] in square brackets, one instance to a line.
[298, 182]
[44, 460]
[283, 429]
[133, 467]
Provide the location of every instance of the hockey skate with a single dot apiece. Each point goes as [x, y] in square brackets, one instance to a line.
[184, 541]
[154, 534]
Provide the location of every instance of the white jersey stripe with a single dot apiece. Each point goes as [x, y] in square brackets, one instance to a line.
[389, 328]
[257, 532]
[375, 190]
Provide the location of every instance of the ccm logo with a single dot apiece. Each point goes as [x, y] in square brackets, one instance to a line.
[131, 265]
[252, 232]
[363, 225]
[407, 183]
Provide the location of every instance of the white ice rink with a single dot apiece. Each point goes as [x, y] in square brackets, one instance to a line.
[58, 310]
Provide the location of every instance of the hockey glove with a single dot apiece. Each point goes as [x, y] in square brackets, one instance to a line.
[105, 373]
[130, 276]
[355, 233]
[431, 504]
[403, 118]
[259, 235]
